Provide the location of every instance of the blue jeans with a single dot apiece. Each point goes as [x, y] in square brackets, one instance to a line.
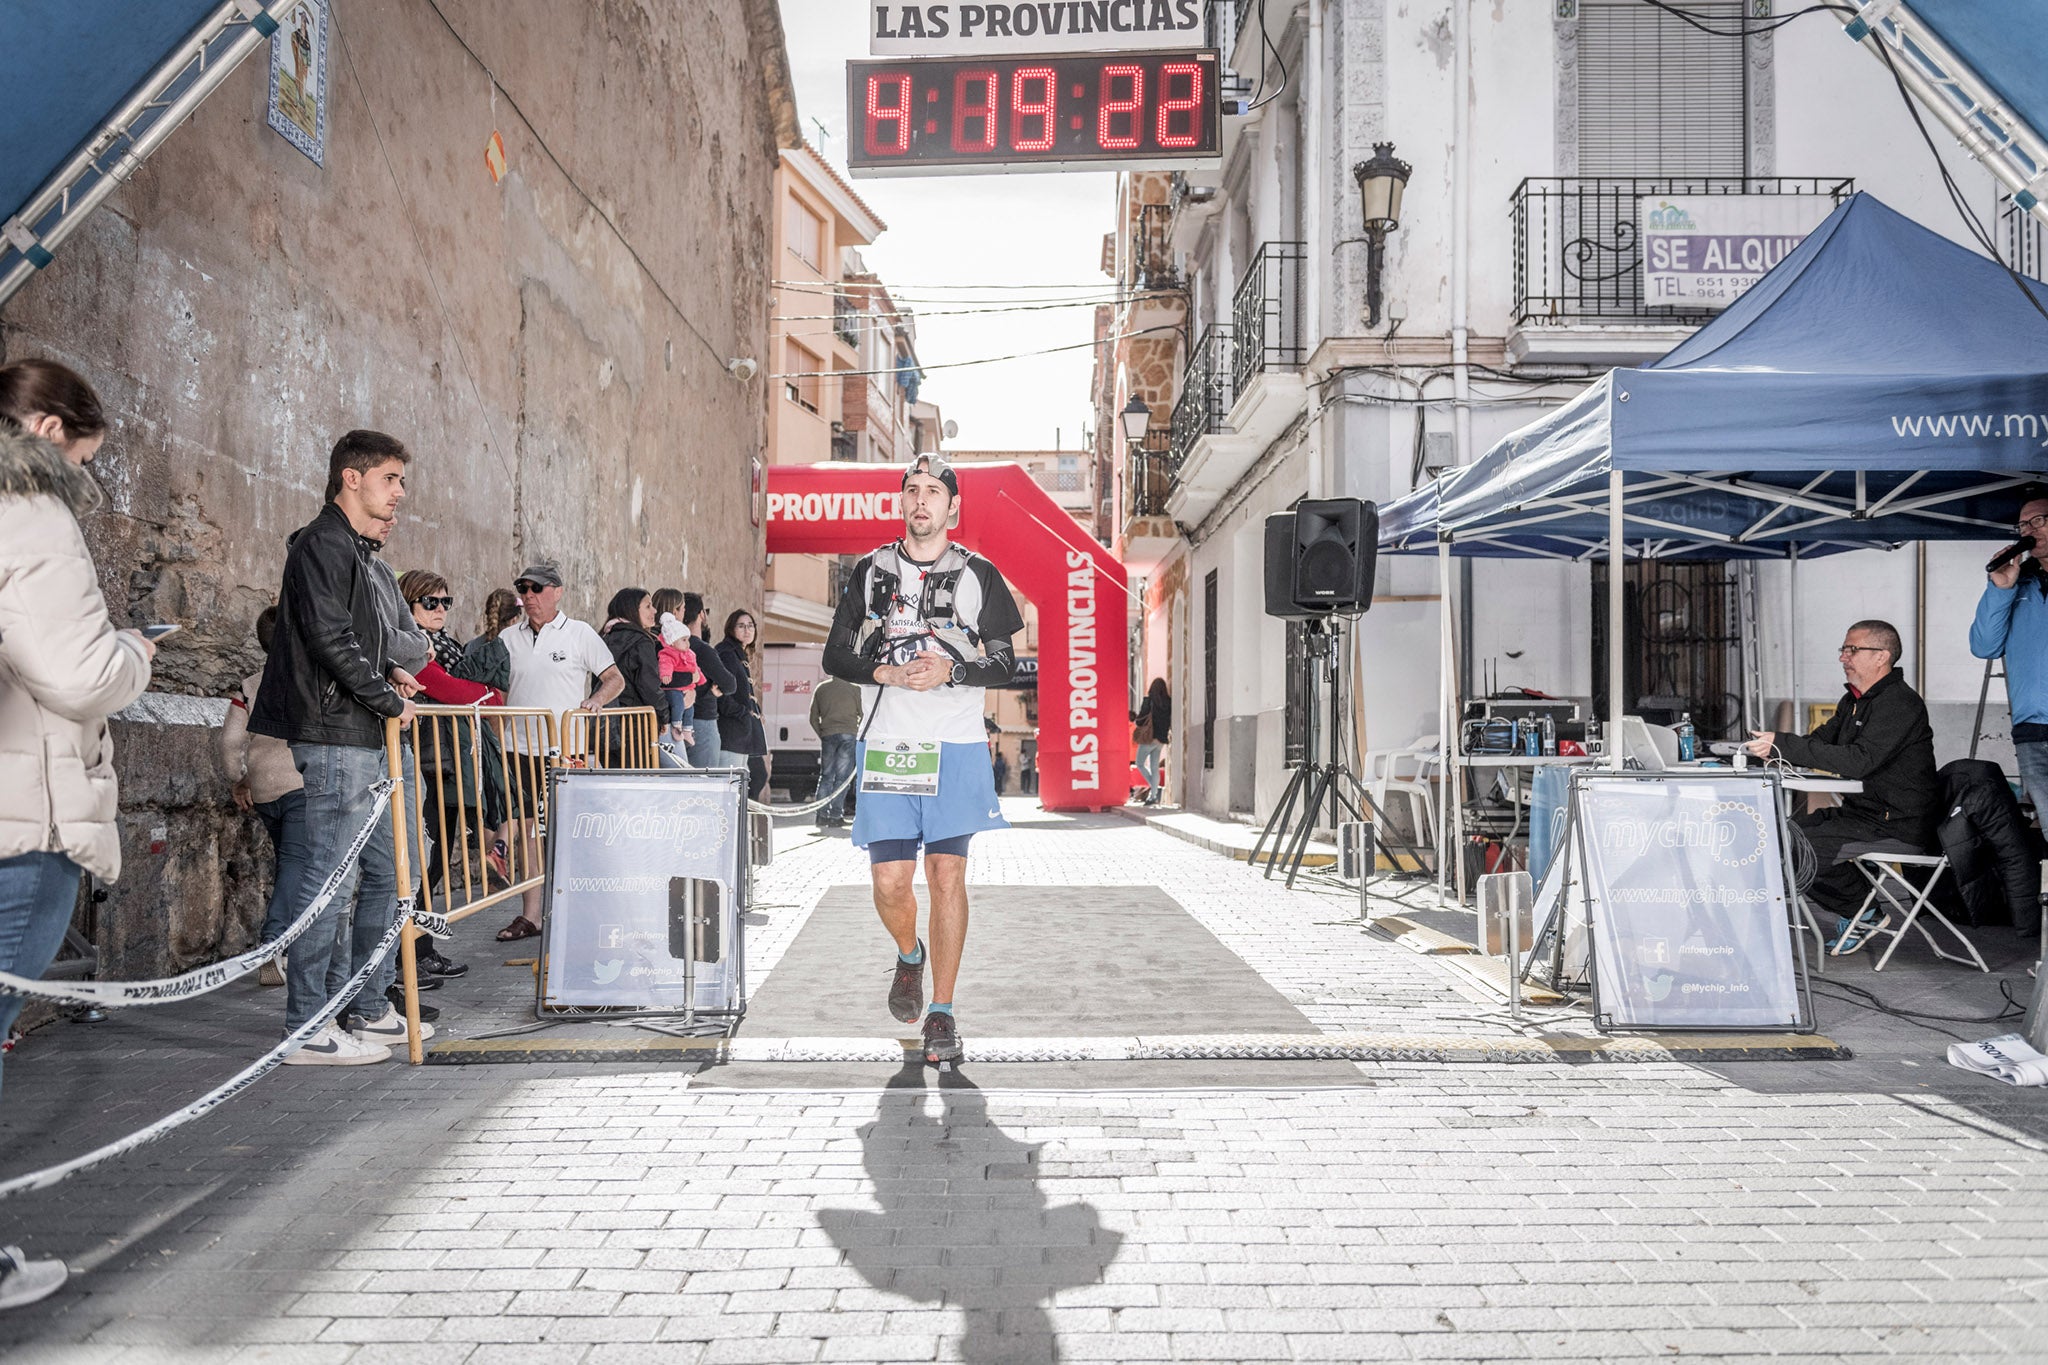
[835, 762]
[2032, 760]
[338, 801]
[37, 894]
[1148, 764]
[703, 746]
[285, 820]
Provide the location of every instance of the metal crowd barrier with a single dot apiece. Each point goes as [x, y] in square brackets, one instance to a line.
[625, 737]
[476, 764]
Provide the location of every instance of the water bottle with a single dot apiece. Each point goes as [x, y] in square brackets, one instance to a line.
[1688, 739]
[1549, 724]
[1531, 742]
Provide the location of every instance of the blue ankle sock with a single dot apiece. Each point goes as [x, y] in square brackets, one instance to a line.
[910, 960]
[939, 1007]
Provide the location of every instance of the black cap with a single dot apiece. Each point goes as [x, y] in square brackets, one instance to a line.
[547, 575]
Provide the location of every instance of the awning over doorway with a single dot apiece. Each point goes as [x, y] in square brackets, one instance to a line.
[1881, 385]
[93, 87]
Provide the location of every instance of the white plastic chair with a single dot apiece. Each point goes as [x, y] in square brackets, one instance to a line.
[1407, 774]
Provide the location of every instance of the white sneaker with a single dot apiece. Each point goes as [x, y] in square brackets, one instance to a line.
[331, 1047]
[23, 1281]
[390, 1029]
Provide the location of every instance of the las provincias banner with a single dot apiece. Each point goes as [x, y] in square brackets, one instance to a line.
[1048, 27]
[1079, 588]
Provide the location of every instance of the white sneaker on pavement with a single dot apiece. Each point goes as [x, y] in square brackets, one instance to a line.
[23, 1281]
[390, 1029]
[331, 1047]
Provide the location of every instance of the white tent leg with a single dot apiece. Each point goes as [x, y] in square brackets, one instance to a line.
[1455, 741]
[1792, 579]
[1616, 562]
[1447, 744]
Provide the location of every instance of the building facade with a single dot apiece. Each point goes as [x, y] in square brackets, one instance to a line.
[533, 248]
[846, 378]
[1513, 279]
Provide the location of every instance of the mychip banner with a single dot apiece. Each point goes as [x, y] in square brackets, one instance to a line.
[644, 873]
[1692, 926]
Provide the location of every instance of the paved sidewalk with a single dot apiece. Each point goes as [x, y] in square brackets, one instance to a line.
[1882, 1207]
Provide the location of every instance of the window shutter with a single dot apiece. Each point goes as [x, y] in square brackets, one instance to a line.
[1658, 96]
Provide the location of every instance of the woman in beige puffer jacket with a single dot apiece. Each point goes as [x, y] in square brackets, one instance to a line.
[63, 669]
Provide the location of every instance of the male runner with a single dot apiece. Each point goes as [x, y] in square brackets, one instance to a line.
[924, 626]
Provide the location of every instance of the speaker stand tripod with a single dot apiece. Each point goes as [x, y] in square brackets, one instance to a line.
[1319, 780]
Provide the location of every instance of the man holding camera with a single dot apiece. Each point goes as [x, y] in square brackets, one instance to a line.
[2012, 620]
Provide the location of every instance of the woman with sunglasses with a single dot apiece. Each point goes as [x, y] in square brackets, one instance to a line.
[446, 754]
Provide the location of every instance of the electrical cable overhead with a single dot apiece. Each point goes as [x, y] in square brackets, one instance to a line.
[1977, 230]
[986, 360]
[920, 315]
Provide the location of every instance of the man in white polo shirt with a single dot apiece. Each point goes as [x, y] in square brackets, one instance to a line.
[554, 657]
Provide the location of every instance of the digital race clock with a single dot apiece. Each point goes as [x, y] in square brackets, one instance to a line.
[1134, 109]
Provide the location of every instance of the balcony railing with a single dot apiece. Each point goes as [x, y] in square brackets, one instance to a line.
[1148, 480]
[1206, 393]
[1152, 264]
[845, 319]
[1578, 253]
[1266, 314]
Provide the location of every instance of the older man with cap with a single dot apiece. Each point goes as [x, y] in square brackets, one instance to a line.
[554, 657]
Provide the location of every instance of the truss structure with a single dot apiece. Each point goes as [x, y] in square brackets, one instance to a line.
[135, 129]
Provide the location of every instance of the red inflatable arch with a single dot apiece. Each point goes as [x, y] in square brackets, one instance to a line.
[1084, 733]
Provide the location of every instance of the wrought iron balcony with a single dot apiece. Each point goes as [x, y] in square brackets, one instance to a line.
[1152, 264]
[1206, 393]
[1148, 480]
[845, 319]
[1578, 253]
[1266, 314]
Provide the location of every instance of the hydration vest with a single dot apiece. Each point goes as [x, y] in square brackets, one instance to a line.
[936, 608]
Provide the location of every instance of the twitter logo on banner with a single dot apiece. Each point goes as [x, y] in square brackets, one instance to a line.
[607, 972]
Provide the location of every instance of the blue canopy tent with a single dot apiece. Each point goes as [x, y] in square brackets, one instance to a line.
[1880, 385]
[93, 87]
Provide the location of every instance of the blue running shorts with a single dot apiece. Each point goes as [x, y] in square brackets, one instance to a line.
[966, 803]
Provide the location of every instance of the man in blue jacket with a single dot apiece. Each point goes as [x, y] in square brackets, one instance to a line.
[2012, 620]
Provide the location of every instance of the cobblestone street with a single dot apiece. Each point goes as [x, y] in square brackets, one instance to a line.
[1881, 1207]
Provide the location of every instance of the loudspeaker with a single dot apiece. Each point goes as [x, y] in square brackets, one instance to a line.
[1336, 549]
[1280, 570]
[1320, 559]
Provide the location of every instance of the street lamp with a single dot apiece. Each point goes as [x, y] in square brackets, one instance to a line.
[1137, 419]
[1380, 184]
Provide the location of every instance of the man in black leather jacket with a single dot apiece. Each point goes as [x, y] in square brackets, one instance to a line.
[328, 687]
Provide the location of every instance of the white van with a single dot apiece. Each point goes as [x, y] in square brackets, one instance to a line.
[790, 673]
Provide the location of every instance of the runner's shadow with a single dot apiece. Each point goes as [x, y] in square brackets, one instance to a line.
[964, 1222]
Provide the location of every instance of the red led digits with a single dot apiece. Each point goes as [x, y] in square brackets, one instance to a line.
[1109, 108]
[896, 112]
[1040, 110]
[1171, 104]
[974, 102]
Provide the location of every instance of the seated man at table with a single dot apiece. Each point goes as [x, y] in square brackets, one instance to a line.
[1879, 735]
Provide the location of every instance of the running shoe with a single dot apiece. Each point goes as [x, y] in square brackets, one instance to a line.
[389, 1030]
[1852, 936]
[906, 989]
[23, 1281]
[941, 1038]
[331, 1047]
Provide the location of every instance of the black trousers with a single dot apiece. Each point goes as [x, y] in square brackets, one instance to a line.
[1840, 886]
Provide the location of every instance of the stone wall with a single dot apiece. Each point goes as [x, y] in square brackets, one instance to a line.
[552, 346]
